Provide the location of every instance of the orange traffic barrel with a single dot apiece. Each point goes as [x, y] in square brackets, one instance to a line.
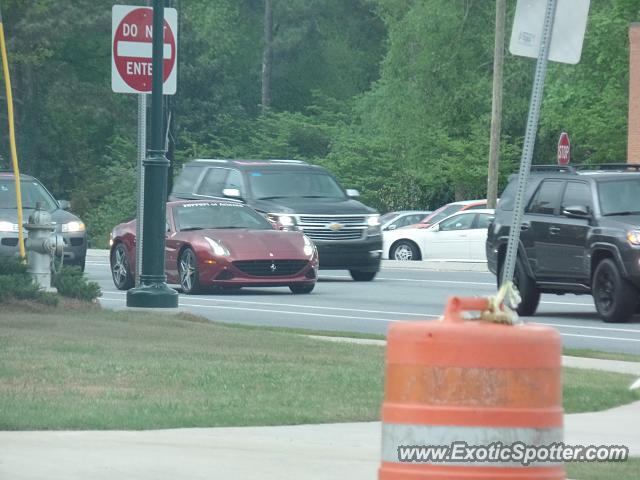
[468, 399]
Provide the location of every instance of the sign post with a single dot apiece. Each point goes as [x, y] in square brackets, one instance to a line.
[564, 149]
[534, 29]
[144, 58]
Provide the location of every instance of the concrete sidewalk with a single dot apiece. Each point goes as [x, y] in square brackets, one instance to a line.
[306, 452]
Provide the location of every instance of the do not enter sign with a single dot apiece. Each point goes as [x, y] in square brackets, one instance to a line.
[564, 149]
[132, 49]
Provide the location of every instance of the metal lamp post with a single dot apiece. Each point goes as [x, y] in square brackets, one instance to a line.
[153, 291]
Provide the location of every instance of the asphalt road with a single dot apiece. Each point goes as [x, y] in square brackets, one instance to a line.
[339, 304]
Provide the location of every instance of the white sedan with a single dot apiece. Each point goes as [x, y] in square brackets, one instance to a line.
[460, 236]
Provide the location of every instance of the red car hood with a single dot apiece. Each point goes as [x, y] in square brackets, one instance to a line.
[259, 244]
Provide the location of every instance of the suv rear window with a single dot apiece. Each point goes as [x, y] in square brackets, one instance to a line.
[187, 180]
[545, 201]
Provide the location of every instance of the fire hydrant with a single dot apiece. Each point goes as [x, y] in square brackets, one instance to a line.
[42, 246]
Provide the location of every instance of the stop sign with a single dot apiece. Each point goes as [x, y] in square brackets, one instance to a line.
[132, 50]
[564, 149]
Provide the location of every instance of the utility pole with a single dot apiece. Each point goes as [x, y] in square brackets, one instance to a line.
[267, 55]
[153, 290]
[496, 113]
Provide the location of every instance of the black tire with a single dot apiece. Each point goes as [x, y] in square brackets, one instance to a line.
[301, 287]
[360, 276]
[120, 268]
[404, 250]
[615, 298]
[188, 272]
[529, 293]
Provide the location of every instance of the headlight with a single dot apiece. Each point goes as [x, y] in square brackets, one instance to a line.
[308, 246]
[8, 227]
[633, 236]
[217, 247]
[73, 227]
[374, 225]
[287, 222]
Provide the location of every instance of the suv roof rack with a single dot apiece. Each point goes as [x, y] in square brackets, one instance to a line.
[610, 166]
[553, 168]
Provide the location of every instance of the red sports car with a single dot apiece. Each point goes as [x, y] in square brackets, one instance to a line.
[223, 244]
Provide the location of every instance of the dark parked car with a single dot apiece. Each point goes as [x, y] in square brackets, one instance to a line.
[67, 224]
[296, 196]
[224, 244]
[580, 234]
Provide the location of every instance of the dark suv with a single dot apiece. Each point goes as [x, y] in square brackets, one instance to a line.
[580, 234]
[296, 196]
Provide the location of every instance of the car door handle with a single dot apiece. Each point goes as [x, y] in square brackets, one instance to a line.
[525, 226]
[554, 230]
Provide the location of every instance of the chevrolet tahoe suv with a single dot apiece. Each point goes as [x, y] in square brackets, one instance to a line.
[296, 196]
[580, 234]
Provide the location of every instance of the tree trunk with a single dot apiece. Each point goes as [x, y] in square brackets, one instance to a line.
[267, 55]
[496, 114]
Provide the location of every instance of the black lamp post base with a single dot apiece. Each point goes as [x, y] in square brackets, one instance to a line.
[157, 295]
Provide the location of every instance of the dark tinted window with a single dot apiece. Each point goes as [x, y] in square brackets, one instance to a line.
[187, 180]
[213, 182]
[619, 196]
[577, 194]
[545, 201]
[234, 180]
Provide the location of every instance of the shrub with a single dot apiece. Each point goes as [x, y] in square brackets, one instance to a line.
[16, 283]
[71, 283]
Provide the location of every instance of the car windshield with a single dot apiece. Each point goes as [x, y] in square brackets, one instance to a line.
[442, 212]
[619, 197]
[204, 215]
[32, 193]
[288, 184]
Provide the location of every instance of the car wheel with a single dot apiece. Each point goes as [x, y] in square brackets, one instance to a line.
[360, 276]
[188, 270]
[120, 270]
[301, 288]
[404, 250]
[529, 293]
[615, 298]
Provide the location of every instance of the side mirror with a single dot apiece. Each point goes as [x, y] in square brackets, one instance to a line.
[435, 228]
[64, 204]
[577, 211]
[391, 227]
[232, 193]
[352, 192]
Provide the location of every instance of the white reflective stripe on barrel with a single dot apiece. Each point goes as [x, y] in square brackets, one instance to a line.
[401, 435]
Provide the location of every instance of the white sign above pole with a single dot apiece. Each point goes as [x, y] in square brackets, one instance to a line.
[569, 27]
[131, 52]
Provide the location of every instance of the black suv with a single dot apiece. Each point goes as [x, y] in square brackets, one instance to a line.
[580, 234]
[296, 196]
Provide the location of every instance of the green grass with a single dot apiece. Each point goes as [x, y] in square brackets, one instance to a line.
[97, 369]
[628, 470]
[625, 357]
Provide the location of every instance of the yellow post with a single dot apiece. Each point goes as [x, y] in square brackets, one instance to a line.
[12, 136]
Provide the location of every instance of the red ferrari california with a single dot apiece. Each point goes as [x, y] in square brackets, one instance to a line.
[221, 243]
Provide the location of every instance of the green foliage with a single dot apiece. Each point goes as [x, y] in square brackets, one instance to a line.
[16, 284]
[71, 283]
[392, 96]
